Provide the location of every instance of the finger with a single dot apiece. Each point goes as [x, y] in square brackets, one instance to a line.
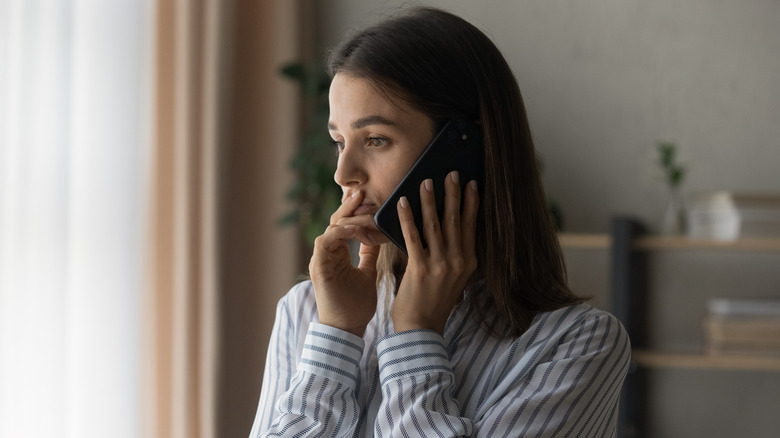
[451, 221]
[431, 226]
[347, 207]
[367, 232]
[334, 236]
[369, 254]
[411, 235]
[370, 236]
[469, 219]
[364, 220]
[329, 247]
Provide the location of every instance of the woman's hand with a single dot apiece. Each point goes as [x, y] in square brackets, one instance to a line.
[435, 277]
[346, 295]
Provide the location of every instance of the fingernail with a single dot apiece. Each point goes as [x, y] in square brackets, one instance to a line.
[349, 227]
[473, 185]
[404, 202]
[355, 193]
[428, 184]
[454, 176]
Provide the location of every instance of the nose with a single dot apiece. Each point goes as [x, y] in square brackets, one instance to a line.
[350, 169]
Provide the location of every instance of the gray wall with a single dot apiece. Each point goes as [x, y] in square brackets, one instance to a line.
[603, 81]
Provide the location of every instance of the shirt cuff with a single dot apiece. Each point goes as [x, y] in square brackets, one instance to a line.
[412, 352]
[332, 353]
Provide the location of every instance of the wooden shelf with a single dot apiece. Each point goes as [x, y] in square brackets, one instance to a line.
[682, 242]
[571, 240]
[653, 359]
[604, 241]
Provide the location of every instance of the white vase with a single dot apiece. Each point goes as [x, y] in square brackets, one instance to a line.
[673, 223]
[715, 216]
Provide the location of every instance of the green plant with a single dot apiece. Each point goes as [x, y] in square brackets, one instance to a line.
[314, 193]
[674, 218]
[673, 172]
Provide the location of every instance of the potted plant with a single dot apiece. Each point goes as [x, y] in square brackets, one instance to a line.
[314, 193]
[673, 172]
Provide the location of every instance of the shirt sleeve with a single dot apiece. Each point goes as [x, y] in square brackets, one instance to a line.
[279, 367]
[320, 397]
[565, 386]
[417, 383]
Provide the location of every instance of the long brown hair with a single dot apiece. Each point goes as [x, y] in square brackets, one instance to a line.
[445, 67]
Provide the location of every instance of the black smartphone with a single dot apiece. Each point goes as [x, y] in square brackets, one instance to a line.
[457, 146]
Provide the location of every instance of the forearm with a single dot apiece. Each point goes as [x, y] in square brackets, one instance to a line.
[321, 398]
[417, 384]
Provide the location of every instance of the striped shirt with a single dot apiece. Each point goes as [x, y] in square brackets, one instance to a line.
[562, 377]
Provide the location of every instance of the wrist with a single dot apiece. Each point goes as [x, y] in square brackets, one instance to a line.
[358, 331]
[402, 325]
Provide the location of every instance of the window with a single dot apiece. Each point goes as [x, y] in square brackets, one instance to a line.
[75, 124]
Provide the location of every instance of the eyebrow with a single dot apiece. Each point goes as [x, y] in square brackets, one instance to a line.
[366, 121]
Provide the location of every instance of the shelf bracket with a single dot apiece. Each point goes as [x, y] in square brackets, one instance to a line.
[629, 299]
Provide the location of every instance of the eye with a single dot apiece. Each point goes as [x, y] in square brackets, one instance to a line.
[339, 145]
[376, 142]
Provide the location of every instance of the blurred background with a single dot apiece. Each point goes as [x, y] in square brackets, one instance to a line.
[150, 151]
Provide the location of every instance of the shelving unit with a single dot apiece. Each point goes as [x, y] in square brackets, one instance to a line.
[677, 242]
[653, 359]
[593, 241]
[604, 241]
[629, 247]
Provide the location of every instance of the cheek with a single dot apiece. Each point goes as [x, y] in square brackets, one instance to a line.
[386, 186]
[391, 177]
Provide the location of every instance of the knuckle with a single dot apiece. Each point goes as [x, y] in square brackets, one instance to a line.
[458, 264]
[422, 270]
[471, 264]
[440, 269]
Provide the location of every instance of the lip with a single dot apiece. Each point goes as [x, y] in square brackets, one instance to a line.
[365, 208]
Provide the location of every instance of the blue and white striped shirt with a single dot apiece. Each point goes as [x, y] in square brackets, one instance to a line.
[562, 377]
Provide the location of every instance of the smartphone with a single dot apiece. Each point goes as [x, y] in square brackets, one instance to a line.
[457, 146]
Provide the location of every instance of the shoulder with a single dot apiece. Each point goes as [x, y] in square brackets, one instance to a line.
[565, 318]
[581, 330]
[298, 306]
[567, 357]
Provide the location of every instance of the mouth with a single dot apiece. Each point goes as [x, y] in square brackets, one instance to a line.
[365, 208]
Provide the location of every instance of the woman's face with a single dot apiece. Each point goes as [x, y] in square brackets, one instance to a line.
[378, 139]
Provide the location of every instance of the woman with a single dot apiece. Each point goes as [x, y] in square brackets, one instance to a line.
[475, 335]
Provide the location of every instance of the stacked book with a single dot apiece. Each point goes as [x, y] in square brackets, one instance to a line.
[728, 216]
[743, 326]
[759, 215]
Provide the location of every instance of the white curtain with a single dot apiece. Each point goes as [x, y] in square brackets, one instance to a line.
[75, 129]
